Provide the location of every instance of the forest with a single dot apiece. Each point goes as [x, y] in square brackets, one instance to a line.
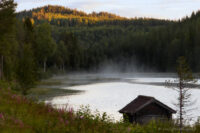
[58, 39]
[97, 39]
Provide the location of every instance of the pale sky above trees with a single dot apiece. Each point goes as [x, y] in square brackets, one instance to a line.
[166, 9]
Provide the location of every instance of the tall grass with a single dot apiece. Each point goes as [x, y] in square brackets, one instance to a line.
[21, 115]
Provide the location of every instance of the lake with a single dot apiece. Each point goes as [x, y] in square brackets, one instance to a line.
[111, 92]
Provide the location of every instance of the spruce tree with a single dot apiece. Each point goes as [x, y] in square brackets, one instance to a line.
[7, 34]
[184, 81]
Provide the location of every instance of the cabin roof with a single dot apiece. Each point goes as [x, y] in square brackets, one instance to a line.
[142, 101]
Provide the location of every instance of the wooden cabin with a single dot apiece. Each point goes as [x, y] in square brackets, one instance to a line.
[144, 109]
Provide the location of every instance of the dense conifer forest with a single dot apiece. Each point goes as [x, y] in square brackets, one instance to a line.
[90, 41]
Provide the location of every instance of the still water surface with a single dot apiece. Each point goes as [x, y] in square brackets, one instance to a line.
[111, 92]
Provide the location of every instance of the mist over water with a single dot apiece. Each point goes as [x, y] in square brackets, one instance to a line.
[124, 66]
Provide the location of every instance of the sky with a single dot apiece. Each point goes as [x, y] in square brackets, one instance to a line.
[163, 9]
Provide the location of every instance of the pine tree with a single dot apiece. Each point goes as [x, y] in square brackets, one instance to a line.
[7, 24]
[185, 78]
[26, 72]
[184, 81]
[26, 67]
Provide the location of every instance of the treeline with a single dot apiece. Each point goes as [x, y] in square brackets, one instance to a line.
[91, 43]
[161, 46]
[150, 43]
[145, 47]
[61, 16]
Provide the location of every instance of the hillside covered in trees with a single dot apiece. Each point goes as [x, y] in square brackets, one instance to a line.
[62, 16]
[104, 38]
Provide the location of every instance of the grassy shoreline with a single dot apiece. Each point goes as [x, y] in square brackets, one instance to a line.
[18, 114]
[21, 115]
[43, 94]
